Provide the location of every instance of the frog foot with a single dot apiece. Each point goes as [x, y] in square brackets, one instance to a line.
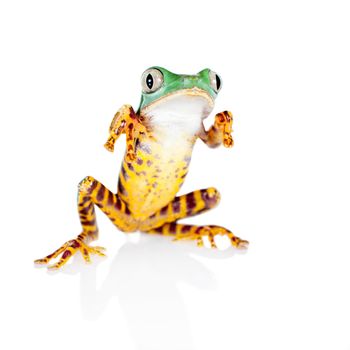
[228, 140]
[67, 250]
[223, 121]
[211, 231]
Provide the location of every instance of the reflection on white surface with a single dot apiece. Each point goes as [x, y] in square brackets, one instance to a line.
[145, 277]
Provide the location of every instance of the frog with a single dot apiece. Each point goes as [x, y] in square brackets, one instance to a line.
[160, 137]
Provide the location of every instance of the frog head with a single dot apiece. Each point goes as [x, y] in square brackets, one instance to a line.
[177, 98]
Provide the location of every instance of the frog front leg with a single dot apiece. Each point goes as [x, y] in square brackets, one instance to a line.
[125, 121]
[220, 132]
[90, 193]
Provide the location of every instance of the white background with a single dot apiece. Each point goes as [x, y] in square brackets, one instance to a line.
[67, 66]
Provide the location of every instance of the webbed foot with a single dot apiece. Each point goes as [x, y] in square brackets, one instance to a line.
[198, 232]
[67, 250]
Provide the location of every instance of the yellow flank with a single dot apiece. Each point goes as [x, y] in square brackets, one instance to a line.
[152, 172]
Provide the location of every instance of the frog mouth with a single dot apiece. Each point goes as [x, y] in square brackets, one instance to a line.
[194, 92]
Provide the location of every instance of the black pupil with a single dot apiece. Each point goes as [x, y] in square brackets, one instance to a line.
[149, 81]
[218, 82]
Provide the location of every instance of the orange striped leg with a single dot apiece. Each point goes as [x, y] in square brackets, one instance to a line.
[189, 204]
[220, 132]
[181, 231]
[91, 192]
[128, 122]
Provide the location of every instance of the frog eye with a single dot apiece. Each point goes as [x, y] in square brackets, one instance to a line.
[215, 81]
[152, 80]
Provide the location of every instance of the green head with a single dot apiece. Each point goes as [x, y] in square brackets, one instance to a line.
[161, 87]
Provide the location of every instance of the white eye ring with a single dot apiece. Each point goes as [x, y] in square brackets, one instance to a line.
[215, 81]
[152, 79]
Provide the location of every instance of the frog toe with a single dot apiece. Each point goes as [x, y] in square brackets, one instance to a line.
[67, 250]
[241, 244]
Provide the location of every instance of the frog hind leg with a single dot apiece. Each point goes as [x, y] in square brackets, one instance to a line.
[90, 193]
[193, 232]
[164, 221]
[180, 207]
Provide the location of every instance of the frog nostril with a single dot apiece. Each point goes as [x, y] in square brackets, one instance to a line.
[190, 81]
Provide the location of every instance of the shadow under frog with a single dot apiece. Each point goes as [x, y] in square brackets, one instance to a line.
[145, 277]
